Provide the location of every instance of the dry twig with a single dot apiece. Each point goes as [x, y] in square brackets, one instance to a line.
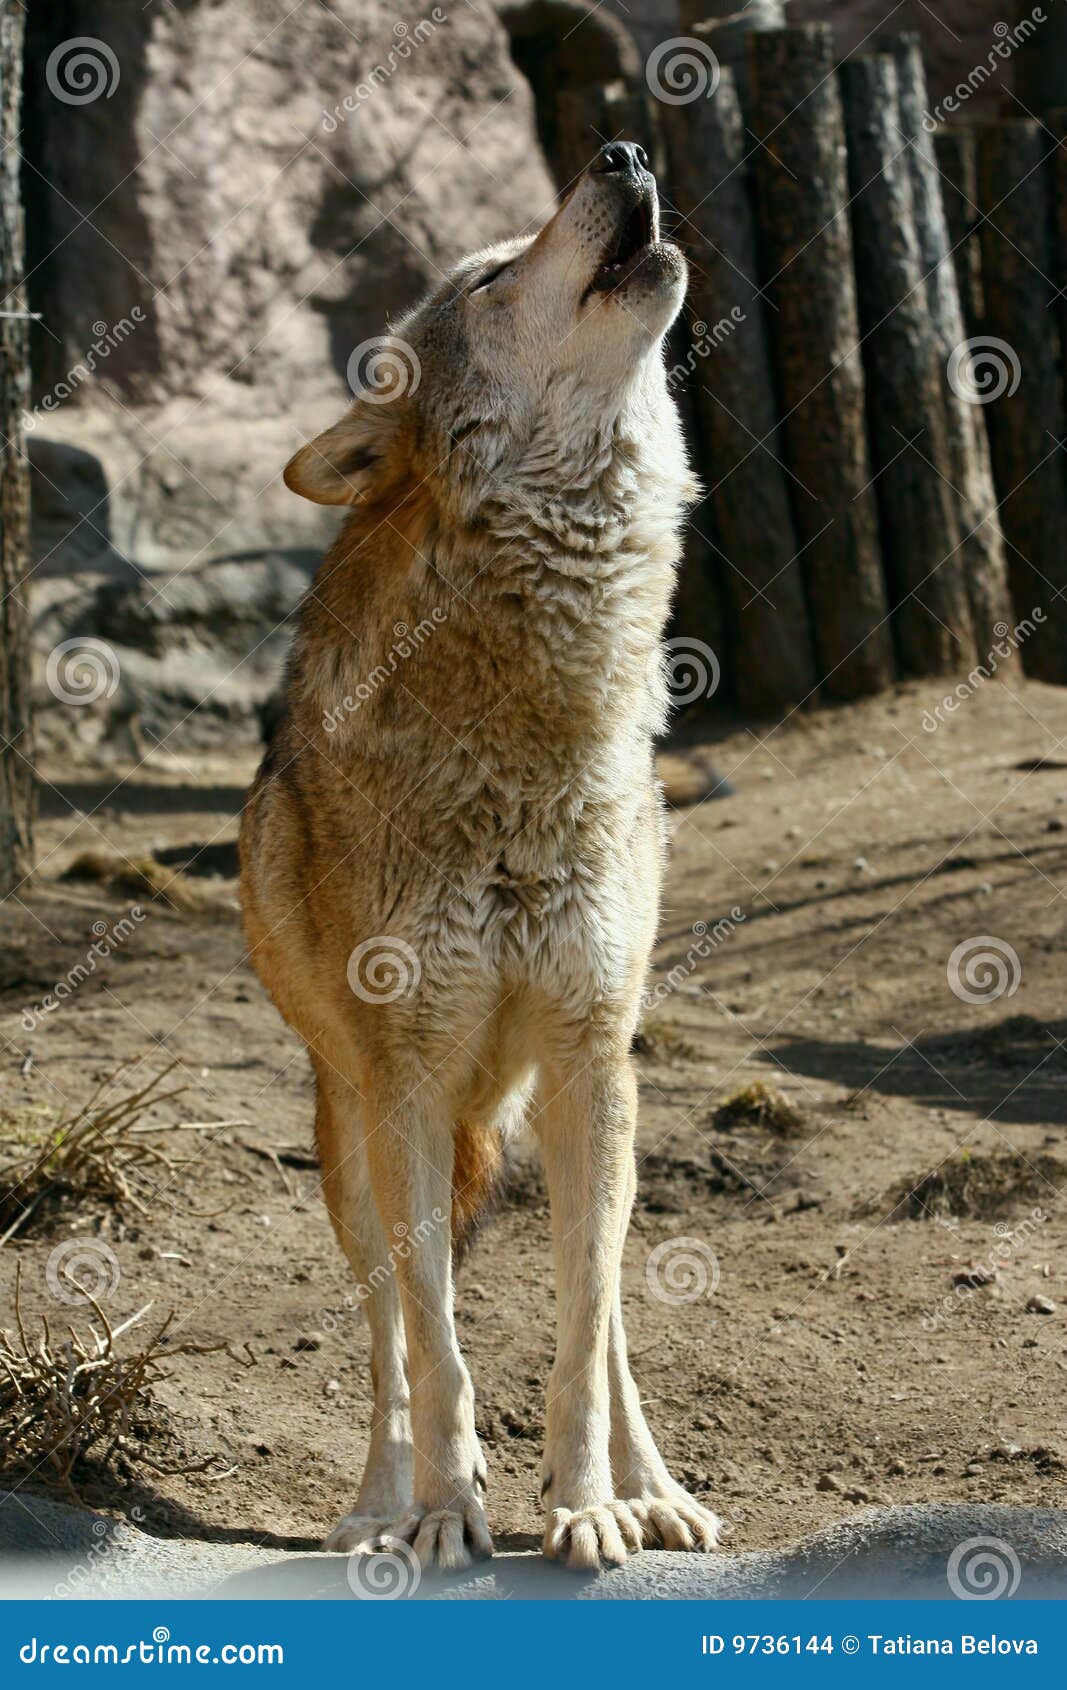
[94, 1153]
[73, 1402]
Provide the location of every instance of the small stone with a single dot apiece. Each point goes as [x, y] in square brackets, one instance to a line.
[862, 866]
[331, 1387]
[1054, 825]
[897, 1466]
[827, 1481]
[1040, 1305]
[308, 1342]
[804, 1200]
[975, 1277]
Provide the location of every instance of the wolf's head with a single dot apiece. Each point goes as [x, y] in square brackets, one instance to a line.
[523, 361]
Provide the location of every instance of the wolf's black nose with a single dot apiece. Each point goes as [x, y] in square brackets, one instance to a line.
[620, 155]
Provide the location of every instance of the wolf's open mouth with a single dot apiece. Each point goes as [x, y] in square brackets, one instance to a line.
[626, 251]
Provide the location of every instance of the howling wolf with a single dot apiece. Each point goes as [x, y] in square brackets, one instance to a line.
[451, 856]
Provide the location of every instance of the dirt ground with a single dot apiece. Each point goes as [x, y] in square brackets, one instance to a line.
[791, 1297]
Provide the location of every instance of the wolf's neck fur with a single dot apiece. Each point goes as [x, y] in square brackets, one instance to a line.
[546, 610]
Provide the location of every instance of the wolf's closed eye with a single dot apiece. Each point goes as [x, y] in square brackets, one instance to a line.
[491, 276]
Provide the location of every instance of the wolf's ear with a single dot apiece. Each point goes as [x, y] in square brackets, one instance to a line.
[339, 467]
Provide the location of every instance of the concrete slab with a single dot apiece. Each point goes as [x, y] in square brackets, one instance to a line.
[926, 1550]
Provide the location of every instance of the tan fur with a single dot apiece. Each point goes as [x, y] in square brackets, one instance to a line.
[462, 783]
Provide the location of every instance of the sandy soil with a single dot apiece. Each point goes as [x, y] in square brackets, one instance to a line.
[792, 1312]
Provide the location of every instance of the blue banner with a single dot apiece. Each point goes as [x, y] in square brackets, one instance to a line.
[536, 1643]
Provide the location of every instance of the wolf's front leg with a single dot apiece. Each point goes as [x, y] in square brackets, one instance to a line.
[586, 1129]
[410, 1155]
[669, 1517]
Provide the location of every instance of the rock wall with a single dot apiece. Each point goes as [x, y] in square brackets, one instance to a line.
[252, 189]
[224, 199]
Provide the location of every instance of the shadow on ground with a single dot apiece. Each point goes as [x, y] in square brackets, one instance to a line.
[1012, 1070]
[929, 1551]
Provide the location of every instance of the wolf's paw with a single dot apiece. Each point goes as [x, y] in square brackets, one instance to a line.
[675, 1521]
[354, 1531]
[447, 1538]
[590, 1538]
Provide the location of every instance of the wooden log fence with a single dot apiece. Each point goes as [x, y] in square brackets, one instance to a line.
[981, 556]
[1015, 370]
[957, 165]
[871, 361]
[802, 199]
[913, 463]
[730, 363]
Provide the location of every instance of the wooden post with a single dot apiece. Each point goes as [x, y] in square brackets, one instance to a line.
[803, 195]
[1057, 123]
[954, 150]
[728, 364]
[725, 25]
[16, 752]
[909, 432]
[1015, 373]
[970, 470]
[1040, 56]
[589, 116]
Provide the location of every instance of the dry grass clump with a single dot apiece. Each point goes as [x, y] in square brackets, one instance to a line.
[76, 1404]
[95, 1153]
[977, 1186]
[661, 1042]
[140, 877]
[764, 1106]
